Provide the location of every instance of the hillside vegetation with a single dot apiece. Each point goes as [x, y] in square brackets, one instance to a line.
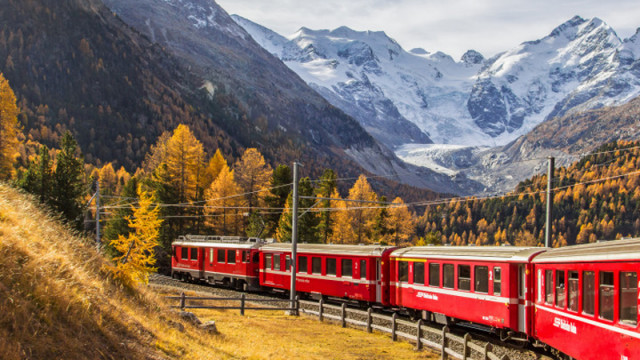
[57, 301]
[596, 198]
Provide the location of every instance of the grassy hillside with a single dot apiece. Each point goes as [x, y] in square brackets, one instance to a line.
[58, 302]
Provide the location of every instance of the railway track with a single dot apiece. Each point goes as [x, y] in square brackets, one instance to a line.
[479, 337]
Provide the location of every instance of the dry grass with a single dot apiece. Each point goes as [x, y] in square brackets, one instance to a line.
[274, 335]
[57, 301]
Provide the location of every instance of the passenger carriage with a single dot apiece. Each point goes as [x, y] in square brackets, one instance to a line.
[228, 260]
[490, 286]
[357, 272]
[587, 300]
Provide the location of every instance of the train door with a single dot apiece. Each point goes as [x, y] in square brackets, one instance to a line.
[378, 281]
[522, 298]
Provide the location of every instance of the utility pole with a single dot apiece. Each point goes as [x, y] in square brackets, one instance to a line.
[97, 197]
[294, 239]
[548, 224]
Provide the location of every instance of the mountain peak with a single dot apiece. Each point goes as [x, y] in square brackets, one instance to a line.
[573, 23]
[472, 57]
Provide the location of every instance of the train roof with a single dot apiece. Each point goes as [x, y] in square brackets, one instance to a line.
[235, 242]
[331, 249]
[480, 253]
[626, 249]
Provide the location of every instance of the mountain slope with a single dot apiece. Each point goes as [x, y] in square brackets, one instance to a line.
[73, 65]
[58, 300]
[280, 107]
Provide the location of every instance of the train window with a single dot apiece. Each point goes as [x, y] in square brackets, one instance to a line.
[588, 292]
[481, 279]
[448, 276]
[231, 256]
[287, 263]
[346, 267]
[194, 253]
[497, 281]
[302, 264]
[256, 257]
[184, 253]
[434, 274]
[606, 295]
[221, 256]
[418, 273]
[548, 286]
[210, 256]
[628, 298]
[363, 269]
[331, 266]
[276, 262]
[316, 265]
[403, 271]
[464, 277]
[574, 289]
[560, 289]
[267, 261]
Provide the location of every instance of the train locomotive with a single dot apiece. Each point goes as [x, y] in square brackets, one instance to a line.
[582, 301]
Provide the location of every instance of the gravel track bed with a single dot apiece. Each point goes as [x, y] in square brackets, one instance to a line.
[359, 315]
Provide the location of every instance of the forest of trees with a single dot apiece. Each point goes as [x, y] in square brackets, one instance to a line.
[596, 198]
[189, 192]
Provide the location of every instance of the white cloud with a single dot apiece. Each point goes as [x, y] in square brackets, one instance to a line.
[451, 26]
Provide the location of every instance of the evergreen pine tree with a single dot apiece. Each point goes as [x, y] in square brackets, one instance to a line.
[68, 184]
[38, 177]
[277, 197]
[326, 187]
[307, 219]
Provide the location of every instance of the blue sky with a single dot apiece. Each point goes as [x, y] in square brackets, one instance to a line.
[451, 26]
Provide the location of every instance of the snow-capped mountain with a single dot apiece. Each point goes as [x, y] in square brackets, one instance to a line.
[581, 65]
[474, 102]
[398, 96]
[576, 68]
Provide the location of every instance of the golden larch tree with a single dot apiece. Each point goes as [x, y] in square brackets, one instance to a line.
[253, 175]
[185, 163]
[136, 260]
[402, 222]
[341, 228]
[363, 215]
[216, 163]
[123, 177]
[9, 130]
[108, 179]
[223, 200]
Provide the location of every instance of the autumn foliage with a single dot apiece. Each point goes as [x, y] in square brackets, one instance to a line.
[596, 198]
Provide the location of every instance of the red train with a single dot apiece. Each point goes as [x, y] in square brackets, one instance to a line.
[582, 300]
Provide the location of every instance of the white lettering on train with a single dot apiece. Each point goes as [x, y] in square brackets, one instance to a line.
[565, 325]
[427, 296]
